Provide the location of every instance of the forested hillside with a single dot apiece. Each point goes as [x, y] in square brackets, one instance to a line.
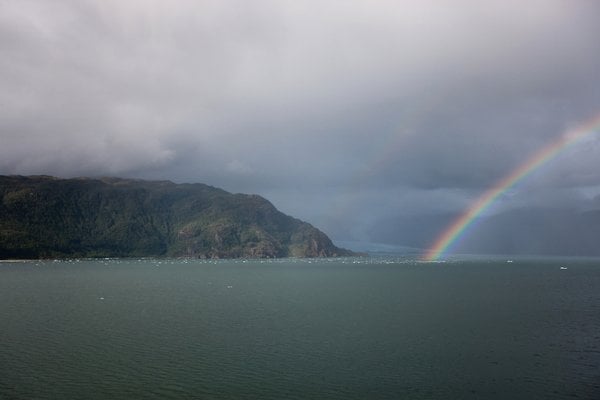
[43, 217]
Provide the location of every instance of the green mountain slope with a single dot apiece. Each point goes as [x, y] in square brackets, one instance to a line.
[43, 217]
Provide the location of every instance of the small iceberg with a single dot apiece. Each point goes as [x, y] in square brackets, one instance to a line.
[509, 261]
[563, 267]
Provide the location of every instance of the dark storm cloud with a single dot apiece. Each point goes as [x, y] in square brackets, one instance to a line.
[332, 105]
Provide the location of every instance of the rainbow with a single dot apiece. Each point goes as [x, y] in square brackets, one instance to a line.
[458, 228]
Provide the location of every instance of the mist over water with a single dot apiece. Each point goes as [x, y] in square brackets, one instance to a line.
[378, 328]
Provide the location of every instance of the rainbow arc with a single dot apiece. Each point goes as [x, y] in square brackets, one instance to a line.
[458, 228]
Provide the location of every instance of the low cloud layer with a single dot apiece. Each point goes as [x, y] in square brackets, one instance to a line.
[340, 112]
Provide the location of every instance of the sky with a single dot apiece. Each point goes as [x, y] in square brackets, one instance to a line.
[351, 115]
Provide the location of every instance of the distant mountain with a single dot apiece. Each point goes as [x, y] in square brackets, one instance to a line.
[534, 231]
[382, 249]
[42, 217]
[537, 231]
[417, 231]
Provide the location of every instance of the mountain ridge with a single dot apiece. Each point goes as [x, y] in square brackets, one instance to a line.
[44, 217]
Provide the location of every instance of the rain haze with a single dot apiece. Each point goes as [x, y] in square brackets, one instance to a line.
[377, 122]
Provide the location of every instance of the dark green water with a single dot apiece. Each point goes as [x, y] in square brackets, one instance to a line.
[332, 329]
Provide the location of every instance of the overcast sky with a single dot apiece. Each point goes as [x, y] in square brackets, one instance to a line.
[342, 113]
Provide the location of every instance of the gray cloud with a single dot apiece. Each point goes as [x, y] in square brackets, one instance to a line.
[334, 110]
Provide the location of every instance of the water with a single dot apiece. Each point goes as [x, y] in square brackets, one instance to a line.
[379, 328]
